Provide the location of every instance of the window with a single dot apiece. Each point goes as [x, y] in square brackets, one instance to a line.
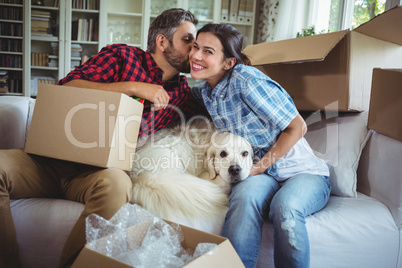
[345, 14]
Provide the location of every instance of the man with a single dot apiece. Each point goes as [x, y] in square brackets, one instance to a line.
[152, 75]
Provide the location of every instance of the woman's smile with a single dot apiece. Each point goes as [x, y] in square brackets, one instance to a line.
[196, 67]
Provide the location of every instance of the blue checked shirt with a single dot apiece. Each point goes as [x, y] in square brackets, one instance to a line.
[250, 104]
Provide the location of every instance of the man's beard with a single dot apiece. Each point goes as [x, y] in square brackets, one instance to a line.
[177, 60]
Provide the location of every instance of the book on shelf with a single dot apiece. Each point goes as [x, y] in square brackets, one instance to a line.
[85, 4]
[11, 29]
[53, 62]
[225, 10]
[3, 82]
[95, 30]
[40, 14]
[233, 10]
[39, 59]
[90, 29]
[11, 13]
[85, 30]
[12, 45]
[40, 22]
[241, 14]
[84, 58]
[10, 83]
[11, 61]
[36, 80]
[76, 50]
[40, 30]
[55, 48]
[81, 29]
[249, 11]
[74, 30]
[41, 26]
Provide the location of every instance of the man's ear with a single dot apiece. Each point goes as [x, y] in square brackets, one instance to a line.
[161, 42]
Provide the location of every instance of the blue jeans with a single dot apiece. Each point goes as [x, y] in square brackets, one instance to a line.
[286, 204]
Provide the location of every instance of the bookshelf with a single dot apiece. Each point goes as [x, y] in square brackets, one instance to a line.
[124, 21]
[70, 38]
[137, 15]
[82, 32]
[11, 46]
[41, 41]
[45, 29]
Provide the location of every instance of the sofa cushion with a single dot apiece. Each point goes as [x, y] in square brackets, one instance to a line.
[339, 140]
[43, 226]
[380, 173]
[16, 114]
[348, 232]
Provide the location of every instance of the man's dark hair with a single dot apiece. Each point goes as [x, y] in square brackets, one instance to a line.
[167, 24]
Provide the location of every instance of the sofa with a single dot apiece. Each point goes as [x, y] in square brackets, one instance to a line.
[359, 227]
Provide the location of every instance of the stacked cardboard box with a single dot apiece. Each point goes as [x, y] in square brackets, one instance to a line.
[385, 114]
[333, 71]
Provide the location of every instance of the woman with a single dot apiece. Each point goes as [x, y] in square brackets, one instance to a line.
[288, 183]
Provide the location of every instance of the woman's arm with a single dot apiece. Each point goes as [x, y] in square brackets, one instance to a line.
[286, 140]
[153, 93]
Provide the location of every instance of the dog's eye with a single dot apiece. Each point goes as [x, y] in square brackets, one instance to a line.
[223, 154]
[244, 154]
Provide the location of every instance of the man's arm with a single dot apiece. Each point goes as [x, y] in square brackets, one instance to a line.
[153, 93]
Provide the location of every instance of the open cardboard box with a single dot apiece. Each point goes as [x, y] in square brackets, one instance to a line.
[87, 126]
[385, 114]
[333, 71]
[224, 257]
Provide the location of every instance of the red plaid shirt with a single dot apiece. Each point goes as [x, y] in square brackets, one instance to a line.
[120, 62]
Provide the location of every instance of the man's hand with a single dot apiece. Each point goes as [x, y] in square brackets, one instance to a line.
[153, 93]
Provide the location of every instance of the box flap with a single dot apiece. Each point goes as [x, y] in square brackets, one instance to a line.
[309, 48]
[386, 26]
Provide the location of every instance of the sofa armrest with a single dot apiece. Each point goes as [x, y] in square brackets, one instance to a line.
[380, 173]
[15, 119]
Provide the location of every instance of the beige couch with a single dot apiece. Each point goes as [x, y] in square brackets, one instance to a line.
[360, 226]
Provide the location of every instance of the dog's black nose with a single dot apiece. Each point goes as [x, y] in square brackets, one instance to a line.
[234, 169]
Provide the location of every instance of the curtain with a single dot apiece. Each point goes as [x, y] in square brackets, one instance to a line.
[282, 19]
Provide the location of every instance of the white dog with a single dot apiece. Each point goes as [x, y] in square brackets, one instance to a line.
[185, 174]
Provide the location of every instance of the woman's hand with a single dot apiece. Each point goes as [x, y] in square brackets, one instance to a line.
[256, 169]
[287, 139]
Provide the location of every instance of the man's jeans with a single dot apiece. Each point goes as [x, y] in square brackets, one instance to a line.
[287, 204]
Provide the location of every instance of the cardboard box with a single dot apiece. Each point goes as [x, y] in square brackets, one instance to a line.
[224, 257]
[385, 113]
[333, 71]
[87, 126]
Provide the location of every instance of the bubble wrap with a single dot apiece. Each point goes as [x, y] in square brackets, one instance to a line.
[152, 243]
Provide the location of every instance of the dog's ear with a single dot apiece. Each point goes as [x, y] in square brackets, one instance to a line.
[209, 162]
